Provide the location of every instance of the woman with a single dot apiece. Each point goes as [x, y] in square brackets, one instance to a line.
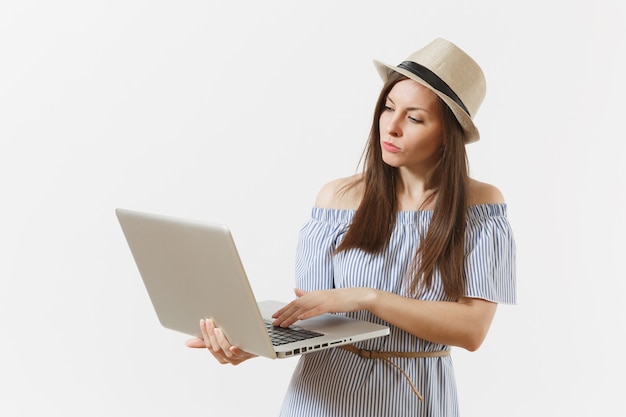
[412, 242]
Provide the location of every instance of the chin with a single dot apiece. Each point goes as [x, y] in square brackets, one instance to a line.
[391, 162]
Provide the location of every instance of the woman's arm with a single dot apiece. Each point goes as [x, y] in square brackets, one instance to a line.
[463, 323]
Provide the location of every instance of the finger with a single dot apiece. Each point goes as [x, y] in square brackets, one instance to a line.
[211, 330]
[286, 315]
[288, 318]
[304, 308]
[223, 343]
[311, 312]
[205, 334]
[286, 310]
[237, 352]
[239, 355]
[208, 333]
[299, 292]
[196, 343]
[279, 312]
[210, 341]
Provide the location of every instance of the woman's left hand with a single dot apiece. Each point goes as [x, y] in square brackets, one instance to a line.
[315, 303]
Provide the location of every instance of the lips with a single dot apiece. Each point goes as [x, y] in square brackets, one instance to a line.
[390, 147]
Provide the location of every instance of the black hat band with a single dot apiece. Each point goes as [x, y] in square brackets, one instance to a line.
[433, 80]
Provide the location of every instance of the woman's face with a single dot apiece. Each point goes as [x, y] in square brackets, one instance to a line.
[411, 127]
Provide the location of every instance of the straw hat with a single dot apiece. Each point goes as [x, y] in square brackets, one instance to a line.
[451, 74]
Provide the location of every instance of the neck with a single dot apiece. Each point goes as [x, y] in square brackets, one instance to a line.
[416, 192]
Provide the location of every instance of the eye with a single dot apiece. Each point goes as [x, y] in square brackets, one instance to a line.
[415, 120]
[386, 107]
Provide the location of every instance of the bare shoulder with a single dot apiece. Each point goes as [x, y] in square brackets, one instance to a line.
[483, 193]
[341, 193]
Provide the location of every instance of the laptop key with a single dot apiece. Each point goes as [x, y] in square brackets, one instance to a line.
[283, 335]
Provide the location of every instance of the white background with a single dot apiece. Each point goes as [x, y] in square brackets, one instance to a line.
[238, 112]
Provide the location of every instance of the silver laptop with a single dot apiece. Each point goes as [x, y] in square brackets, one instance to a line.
[192, 270]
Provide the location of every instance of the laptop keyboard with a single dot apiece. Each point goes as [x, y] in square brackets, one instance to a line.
[283, 335]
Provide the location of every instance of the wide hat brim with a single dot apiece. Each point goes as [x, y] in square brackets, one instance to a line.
[457, 70]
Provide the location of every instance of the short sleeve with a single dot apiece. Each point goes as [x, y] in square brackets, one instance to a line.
[317, 242]
[490, 255]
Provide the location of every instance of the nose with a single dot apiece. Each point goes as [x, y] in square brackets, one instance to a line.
[393, 125]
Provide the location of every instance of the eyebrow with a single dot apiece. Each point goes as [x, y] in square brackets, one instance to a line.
[409, 108]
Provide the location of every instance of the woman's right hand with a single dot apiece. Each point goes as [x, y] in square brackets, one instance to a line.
[214, 340]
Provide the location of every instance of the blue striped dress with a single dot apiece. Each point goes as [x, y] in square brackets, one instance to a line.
[335, 382]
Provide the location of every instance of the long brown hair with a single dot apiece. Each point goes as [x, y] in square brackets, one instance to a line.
[442, 248]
